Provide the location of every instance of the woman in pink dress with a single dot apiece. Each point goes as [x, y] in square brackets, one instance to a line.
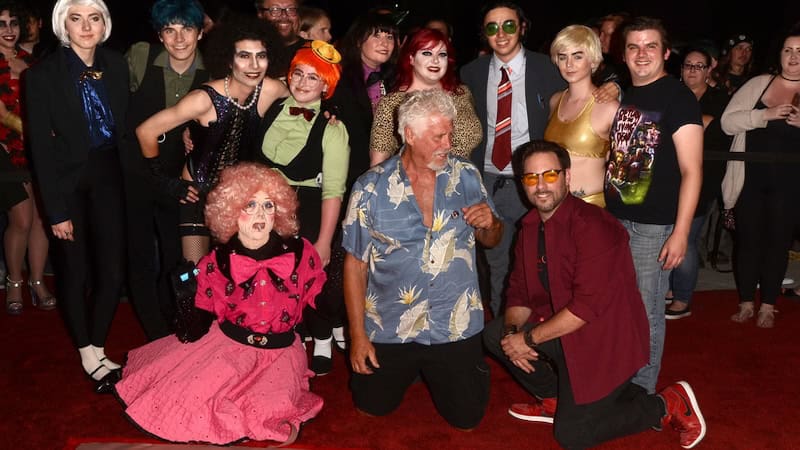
[247, 377]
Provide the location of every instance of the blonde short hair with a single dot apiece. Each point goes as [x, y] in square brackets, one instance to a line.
[61, 9]
[577, 36]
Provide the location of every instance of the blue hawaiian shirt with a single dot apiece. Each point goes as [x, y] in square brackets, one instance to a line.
[422, 285]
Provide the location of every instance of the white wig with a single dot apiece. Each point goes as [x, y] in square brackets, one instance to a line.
[60, 17]
[423, 104]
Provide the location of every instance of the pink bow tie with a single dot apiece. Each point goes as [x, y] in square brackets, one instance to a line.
[244, 268]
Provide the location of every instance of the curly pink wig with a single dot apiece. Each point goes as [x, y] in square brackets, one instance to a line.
[237, 185]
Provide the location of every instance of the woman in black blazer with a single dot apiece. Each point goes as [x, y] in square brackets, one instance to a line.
[76, 100]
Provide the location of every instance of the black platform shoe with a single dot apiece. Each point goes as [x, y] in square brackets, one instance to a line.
[106, 384]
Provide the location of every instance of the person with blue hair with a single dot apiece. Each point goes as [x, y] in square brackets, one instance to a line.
[160, 75]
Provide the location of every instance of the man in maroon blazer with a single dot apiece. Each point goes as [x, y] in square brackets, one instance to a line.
[575, 330]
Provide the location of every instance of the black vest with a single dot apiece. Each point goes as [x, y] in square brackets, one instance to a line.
[148, 100]
[308, 162]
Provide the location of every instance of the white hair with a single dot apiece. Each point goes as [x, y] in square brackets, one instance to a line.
[61, 9]
[423, 104]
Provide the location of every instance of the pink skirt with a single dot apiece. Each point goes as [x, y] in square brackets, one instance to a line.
[216, 390]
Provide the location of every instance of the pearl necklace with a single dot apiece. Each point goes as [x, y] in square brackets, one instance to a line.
[235, 103]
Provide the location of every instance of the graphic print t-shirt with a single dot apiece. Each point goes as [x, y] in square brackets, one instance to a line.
[642, 174]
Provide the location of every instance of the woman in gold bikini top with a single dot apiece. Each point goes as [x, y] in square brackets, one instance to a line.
[577, 122]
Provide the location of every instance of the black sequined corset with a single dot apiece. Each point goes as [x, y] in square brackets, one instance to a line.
[223, 142]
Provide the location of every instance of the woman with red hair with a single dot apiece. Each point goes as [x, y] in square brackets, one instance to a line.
[427, 61]
[313, 156]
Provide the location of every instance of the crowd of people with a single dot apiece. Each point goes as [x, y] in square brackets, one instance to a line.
[254, 187]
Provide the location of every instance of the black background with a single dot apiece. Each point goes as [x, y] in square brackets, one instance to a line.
[685, 20]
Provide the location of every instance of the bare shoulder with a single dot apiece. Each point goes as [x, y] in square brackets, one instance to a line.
[555, 99]
[606, 109]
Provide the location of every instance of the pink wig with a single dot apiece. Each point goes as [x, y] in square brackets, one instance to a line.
[422, 39]
[237, 185]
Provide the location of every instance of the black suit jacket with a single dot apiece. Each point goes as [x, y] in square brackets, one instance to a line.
[57, 130]
[542, 80]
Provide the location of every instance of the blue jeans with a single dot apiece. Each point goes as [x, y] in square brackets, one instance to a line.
[646, 243]
[510, 207]
[683, 278]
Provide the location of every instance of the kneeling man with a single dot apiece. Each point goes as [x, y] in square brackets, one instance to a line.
[575, 330]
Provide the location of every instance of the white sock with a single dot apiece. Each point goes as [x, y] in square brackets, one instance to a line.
[338, 336]
[101, 355]
[91, 363]
[322, 347]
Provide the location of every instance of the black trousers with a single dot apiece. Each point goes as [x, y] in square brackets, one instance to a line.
[626, 410]
[154, 249]
[92, 266]
[766, 213]
[329, 311]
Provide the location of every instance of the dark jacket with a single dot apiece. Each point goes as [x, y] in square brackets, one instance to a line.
[57, 131]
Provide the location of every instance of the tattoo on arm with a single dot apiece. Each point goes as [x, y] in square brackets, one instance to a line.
[579, 193]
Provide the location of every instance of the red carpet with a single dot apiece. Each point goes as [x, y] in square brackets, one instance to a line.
[747, 381]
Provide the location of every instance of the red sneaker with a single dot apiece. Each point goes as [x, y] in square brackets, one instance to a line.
[683, 413]
[541, 411]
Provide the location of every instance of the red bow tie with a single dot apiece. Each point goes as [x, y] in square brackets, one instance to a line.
[297, 110]
[244, 268]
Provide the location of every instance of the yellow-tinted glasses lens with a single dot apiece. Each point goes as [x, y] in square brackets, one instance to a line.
[532, 179]
[509, 27]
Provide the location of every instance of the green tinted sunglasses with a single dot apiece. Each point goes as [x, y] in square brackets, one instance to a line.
[509, 27]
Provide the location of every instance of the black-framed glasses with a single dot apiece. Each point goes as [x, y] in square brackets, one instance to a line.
[549, 176]
[252, 207]
[277, 11]
[508, 26]
[694, 67]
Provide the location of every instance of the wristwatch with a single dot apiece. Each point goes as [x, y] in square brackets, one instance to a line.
[528, 335]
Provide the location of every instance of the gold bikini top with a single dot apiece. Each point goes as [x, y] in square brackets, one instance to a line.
[577, 135]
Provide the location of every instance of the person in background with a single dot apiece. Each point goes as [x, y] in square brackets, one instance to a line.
[764, 117]
[369, 52]
[315, 24]
[25, 232]
[683, 279]
[427, 61]
[160, 75]
[223, 117]
[283, 14]
[245, 376]
[736, 64]
[577, 122]
[76, 100]
[442, 26]
[612, 67]
[312, 155]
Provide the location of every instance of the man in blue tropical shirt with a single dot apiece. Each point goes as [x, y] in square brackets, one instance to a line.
[411, 286]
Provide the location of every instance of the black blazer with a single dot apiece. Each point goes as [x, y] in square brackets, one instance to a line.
[355, 110]
[542, 80]
[56, 128]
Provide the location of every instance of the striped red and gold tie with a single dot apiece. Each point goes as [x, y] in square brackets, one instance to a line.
[501, 152]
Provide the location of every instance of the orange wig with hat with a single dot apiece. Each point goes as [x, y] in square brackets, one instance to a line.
[324, 58]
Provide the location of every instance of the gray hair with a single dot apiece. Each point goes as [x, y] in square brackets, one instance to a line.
[61, 9]
[422, 104]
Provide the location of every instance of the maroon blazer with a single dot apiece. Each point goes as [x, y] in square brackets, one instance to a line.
[591, 273]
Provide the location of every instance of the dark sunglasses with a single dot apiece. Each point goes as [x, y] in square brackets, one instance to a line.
[549, 176]
[509, 27]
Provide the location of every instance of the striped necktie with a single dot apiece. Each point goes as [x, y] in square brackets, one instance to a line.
[501, 152]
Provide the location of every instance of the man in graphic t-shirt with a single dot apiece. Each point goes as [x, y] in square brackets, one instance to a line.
[654, 173]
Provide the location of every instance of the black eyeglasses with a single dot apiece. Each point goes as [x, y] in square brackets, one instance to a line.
[276, 11]
[492, 28]
[694, 67]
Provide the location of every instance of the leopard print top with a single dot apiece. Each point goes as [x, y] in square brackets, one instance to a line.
[467, 133]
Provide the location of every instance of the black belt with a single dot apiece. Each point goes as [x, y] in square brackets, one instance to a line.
[248, 337]
[500, 181]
